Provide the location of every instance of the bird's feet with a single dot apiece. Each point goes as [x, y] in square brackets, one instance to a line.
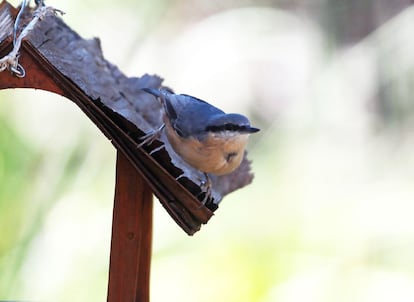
[206, 188]
[151, 136]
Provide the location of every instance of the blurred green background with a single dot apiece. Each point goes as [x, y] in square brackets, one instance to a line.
[329, 214]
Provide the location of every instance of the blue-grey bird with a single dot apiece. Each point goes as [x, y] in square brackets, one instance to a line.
[204, 136]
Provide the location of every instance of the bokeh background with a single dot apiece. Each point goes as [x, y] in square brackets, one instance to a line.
[329, 216]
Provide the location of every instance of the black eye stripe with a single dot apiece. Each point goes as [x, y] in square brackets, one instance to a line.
[228, 127]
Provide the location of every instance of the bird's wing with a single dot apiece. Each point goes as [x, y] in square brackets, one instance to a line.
[189, 115]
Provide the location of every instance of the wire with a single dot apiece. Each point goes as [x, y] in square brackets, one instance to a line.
[16, 23]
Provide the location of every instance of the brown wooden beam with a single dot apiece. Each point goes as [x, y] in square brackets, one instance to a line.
[130, 260]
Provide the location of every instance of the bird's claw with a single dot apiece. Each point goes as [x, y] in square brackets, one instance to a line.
[206, 186]
[150, 137]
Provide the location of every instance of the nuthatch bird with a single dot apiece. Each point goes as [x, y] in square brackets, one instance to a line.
[204, 136]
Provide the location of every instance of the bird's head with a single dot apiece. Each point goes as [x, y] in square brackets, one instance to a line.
[232, 123]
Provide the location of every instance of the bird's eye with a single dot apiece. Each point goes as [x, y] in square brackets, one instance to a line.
[230, 127]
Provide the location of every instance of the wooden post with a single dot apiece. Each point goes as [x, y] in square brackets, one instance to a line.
[130, 260]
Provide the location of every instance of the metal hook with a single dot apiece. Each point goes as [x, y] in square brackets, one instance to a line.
[18, 71]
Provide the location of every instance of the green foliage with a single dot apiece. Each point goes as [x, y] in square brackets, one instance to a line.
[17, 167]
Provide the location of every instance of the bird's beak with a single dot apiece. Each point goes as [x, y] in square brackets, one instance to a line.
[253, 130]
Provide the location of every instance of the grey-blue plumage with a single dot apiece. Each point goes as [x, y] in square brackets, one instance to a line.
[190, 116]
